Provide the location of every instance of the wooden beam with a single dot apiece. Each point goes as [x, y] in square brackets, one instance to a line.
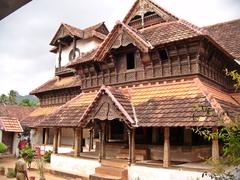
[55, 141]
[78, 142]
[215, 145]
[166, 148]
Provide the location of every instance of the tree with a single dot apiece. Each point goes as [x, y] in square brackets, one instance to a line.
[12, 97]
[230, 136]
[27, 102]
[3, 99]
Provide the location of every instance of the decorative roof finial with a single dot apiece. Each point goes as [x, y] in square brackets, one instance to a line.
[142, 11]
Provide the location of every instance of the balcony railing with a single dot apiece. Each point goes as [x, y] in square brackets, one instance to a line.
[63, 70]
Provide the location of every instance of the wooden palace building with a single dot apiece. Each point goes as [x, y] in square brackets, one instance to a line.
[135, 93]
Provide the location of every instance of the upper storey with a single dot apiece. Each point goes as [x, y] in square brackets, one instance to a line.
[151, 44]
[70, 43]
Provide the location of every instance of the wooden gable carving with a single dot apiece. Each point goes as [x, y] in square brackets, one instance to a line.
[142, 7]
[123, 39]
[62, 32]
[105, 110]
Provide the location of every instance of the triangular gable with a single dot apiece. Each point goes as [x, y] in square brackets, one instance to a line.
[142, 6]
[66, 30]
[10, 124]
[122, 35]
[106, 106]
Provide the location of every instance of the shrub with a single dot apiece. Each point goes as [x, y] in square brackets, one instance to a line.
[30, 154]
[11, 173]
[3, 148]
[47, 156]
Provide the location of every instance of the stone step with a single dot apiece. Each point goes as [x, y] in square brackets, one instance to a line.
[103, 177]
[115, 163]
[111, 171]
[137, 157]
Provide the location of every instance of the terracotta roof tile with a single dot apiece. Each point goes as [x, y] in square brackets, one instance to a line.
[69, 114]
[172, 104]
[10, 124]
[169, 32]
[227, 35]
[85, 57]
[18, 112]
[58, 83]
[34, 118]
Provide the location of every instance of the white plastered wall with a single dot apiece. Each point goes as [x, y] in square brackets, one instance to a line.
[16, 140]
[36, 136]
[84, 46]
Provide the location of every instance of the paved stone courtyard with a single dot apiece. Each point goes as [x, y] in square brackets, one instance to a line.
[10, 163]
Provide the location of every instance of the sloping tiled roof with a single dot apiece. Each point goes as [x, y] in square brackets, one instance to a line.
[14, 111]
[85, 57]
[34, 118]
[227, 35]
[140, 41]
[69, 114]
[169, 32]
[10, 124]
[92, 31]
[171, 105]
[58, 83]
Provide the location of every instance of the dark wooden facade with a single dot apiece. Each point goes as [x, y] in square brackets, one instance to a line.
[191, 57]
[58, 97]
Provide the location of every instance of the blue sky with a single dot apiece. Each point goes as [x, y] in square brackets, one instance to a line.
[25, 59]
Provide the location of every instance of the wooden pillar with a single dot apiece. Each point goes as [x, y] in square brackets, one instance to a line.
[133, 146]
[129, 147]
[55, 141]
[100, 145]
[166, 148]
[215, 146]
[46, 136]
[155, 135]
[78, 142]
[187, 137]
[73, 143]
[74, 47]
[103, 153]
[60, 54]
[90, 139]
[59, 137]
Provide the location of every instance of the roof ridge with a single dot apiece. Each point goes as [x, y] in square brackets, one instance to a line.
[220, 23]
[95, 26]
[33, 91]
[192, 26]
